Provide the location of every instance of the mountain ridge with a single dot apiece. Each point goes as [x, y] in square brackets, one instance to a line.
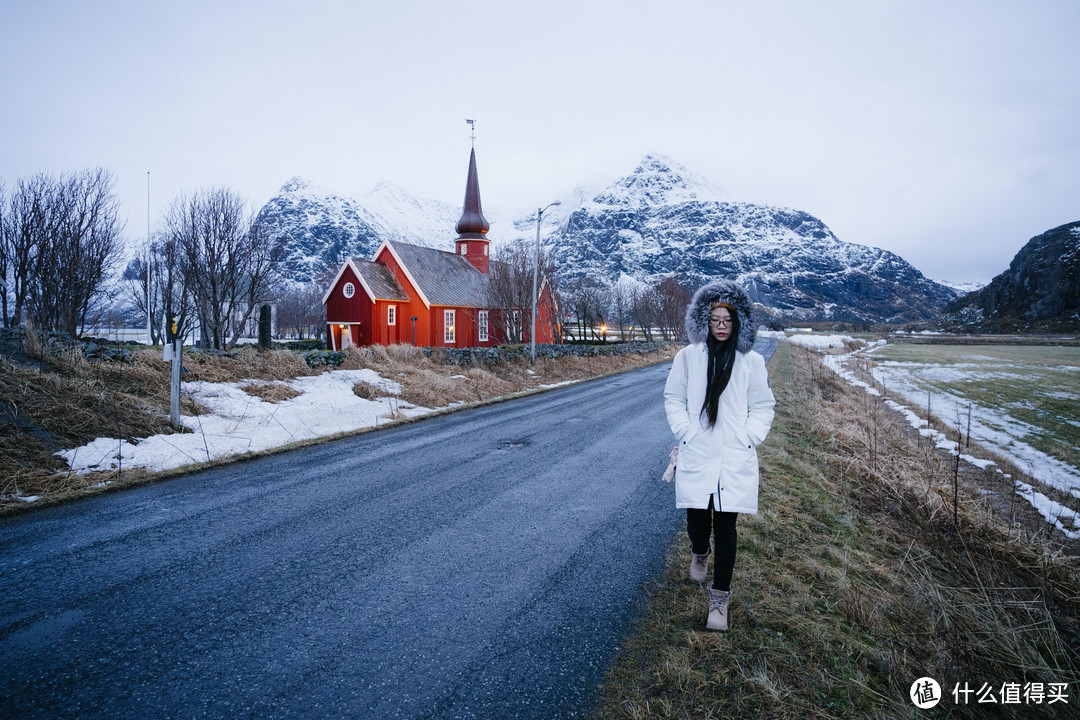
[661, 219]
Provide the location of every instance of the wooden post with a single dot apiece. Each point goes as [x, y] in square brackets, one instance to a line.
[174, 384]
[264, 327]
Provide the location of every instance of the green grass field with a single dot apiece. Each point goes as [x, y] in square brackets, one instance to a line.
[1038, 386]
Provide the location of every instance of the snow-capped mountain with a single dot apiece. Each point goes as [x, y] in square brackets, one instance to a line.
[659, 220]
[963, 288]
[401, 216]
[662, 220]
[319, 228]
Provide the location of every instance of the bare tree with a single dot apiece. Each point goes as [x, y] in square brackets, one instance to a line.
[300, 310]
[171, 300]
[227, 261]
[643, 310]
[24, 228]
[672, 300]
[255, 270]
[61, 238]
[588, 300]
[621, 303]
[510, 286]
[4, 262]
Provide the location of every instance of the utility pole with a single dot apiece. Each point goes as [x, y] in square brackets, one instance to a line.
[149, 315]
[536, 274]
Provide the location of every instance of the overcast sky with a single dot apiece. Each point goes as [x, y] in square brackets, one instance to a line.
[945, 131]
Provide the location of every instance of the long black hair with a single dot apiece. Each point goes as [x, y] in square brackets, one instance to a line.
[721, 362]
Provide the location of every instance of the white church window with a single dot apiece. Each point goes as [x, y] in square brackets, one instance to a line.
[448, 326]
[482, 324]
[348, 290]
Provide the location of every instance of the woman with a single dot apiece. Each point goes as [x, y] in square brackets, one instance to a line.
[720, 407]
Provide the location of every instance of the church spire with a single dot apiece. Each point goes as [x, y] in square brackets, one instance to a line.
[472, 224]
[472, 227]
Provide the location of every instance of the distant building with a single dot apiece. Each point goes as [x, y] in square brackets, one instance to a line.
[431, 298]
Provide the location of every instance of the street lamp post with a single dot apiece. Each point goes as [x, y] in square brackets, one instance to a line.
[536, 274]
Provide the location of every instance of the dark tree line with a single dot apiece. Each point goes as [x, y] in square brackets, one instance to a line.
[652, 311]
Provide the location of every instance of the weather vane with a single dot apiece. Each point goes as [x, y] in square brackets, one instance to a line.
[472, 131]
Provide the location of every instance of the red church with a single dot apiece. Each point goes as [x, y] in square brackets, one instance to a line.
[426, 297]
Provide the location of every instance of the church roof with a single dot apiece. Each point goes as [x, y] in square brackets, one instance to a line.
[379, 280]
[444, 278]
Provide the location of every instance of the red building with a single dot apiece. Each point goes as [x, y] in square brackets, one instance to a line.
[421, 296]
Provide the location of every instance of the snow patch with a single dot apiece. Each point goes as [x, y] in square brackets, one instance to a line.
[239, 423]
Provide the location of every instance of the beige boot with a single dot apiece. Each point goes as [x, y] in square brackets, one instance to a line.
[718, 607]
[699, 567]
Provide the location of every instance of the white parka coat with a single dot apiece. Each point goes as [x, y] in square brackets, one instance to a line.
[719, 462]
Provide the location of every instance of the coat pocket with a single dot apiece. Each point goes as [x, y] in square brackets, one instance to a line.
[742, 455]
[696, 453]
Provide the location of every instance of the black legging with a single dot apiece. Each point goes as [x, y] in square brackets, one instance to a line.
[699, 525]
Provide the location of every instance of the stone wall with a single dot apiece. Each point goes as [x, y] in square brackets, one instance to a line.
[496, 355]
[472, 357]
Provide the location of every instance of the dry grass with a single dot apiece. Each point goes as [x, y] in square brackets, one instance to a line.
[853, 581]
[426, 382]
[433, 383]
[244, 364]
[271, 391]
[43, 412]
[64, 401]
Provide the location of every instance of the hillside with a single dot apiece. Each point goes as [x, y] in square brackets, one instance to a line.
[1040, 292]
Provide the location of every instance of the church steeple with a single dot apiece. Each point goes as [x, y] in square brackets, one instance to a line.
[472, 227]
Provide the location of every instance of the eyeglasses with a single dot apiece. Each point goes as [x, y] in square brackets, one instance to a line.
[720, 322]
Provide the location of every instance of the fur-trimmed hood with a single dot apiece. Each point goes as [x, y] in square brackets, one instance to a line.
[725, 291]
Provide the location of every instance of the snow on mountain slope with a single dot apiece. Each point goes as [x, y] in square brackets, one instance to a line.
[663, 220]
[659, 220]
[401, 216]
[318, 229]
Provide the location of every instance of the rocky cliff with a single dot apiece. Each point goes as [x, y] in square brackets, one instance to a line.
[1040, 292]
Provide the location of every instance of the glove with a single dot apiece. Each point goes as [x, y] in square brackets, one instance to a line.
[669, 474]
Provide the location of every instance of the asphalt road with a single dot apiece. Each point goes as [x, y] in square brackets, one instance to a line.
[484, 564]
